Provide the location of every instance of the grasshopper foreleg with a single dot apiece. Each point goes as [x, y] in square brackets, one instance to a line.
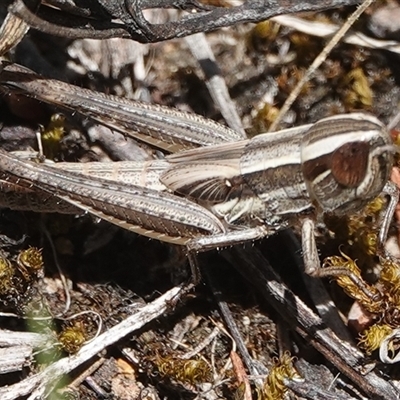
[312, 263]
[310, 252]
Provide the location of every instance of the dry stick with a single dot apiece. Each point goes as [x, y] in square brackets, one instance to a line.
[202, 345]
[308, 390]
[345, 357]
[20, 10]
[87, 373]
[254, 367]
[39, 382]
[241, 375]
[215, 82]
[99, 392]
[318, 61]
[17, 349]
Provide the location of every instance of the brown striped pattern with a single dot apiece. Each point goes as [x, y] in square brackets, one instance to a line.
[348, 184]
[337, 164]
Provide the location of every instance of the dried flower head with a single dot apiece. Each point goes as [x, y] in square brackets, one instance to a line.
[72, 337]
[371, 339]
[193, 371]
[274, 387]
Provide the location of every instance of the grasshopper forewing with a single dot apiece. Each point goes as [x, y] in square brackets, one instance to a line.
[232, 191]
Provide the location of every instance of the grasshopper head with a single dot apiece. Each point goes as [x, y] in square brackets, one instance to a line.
[346, 161]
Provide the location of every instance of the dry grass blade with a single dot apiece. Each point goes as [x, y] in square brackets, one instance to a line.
[318, 61]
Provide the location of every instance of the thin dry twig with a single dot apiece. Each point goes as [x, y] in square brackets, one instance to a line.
[241, 375]
[317, 62]
[345, 357]
[215, 82]
[39, 383]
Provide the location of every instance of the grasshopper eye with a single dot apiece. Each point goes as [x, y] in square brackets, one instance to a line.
[349, 163]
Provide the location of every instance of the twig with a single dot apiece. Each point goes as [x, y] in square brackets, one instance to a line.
[345, 357]
[317, 62]
[137, 27]
[214, 81]
[39, 382]
[241, 375]
[203, 344]
[253, 367]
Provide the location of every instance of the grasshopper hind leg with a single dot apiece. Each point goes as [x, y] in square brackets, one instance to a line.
[218, 241]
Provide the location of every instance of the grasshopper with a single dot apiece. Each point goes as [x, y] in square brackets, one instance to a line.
[227, 191]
